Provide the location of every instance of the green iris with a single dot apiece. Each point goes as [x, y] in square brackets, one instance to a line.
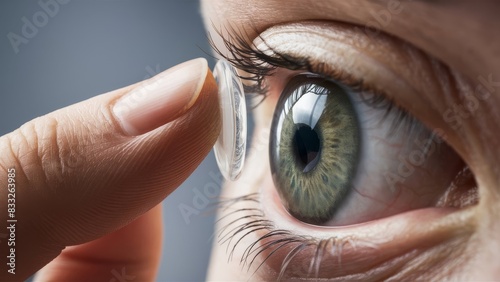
[314, 147]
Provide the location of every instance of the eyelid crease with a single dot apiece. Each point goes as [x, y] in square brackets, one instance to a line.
[410, 78]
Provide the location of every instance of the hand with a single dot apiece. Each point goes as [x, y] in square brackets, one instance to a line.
[89, 178]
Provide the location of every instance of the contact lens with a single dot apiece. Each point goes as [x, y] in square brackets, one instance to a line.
[231, 145]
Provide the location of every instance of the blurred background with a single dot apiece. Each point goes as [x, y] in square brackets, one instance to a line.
[85, 48]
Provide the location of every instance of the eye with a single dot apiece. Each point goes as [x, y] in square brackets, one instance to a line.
[314, 147]
[341, 157]
[357, 177]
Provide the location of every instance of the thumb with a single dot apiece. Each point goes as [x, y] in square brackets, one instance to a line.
[91, 168]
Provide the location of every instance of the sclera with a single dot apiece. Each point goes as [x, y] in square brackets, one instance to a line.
[231, 145]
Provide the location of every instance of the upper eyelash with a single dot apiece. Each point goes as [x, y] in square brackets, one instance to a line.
[259, 64]
[244, 56]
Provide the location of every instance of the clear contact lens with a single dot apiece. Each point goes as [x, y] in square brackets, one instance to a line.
[231, 144]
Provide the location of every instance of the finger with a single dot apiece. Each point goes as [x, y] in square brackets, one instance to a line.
[91, 168]
[131, 253]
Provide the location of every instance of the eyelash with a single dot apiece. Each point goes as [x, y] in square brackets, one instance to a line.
[252, 251]
[259, 65]
[228, 234]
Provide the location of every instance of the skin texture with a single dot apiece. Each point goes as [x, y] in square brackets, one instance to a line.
[429, 244]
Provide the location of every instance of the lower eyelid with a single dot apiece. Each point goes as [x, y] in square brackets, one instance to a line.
[381, 247]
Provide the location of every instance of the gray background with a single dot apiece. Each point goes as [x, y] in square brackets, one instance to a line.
[91, 47]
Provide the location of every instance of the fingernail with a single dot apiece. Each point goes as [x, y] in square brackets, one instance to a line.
[162, 98]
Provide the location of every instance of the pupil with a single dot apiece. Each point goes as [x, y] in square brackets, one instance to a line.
[307, 147]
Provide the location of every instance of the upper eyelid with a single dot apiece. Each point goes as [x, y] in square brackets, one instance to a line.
[243, 55]
[428, 82]
[259, 64]
[412, 88]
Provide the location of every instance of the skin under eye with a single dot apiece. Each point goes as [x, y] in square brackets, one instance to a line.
[256, 227]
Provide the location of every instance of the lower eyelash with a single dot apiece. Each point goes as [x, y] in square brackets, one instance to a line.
[253, 220]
